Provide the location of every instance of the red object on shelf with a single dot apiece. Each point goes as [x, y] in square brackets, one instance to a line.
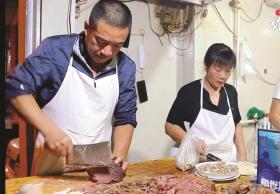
[12, 163]
[277, 12]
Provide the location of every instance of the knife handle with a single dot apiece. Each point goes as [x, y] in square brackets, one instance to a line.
[212, 157]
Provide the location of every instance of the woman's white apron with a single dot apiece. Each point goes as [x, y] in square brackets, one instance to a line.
[216, 130]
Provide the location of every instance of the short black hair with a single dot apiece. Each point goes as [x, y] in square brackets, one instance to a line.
[220, 54]
[113, 12]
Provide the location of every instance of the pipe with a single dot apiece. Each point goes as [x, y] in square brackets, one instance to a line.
[29, 27]
[32, 24]
[235, 5]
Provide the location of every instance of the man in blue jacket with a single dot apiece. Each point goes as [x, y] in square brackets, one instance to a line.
[72, 86]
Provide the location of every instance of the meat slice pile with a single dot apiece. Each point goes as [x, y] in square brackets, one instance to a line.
[106, 175]
[184, 184]
[166, 184]
[243, 188]
[236, 188]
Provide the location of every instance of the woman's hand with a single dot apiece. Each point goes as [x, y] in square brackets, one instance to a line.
[200, 146]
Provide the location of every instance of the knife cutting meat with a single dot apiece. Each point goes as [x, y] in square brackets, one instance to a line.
[90, 155]
[96, 160]
[98, 154]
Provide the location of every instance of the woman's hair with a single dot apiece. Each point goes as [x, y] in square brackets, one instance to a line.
[219, 54]
[113, 12]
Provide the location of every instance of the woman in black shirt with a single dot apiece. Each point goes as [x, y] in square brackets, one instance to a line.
[212, 110]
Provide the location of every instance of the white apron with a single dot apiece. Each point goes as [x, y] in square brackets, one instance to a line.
[216, 130]
[84, 112]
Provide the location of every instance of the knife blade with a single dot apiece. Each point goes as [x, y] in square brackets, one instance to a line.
[98, 154]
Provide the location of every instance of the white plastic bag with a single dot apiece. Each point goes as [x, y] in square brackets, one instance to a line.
[246, 60]
[187, 155]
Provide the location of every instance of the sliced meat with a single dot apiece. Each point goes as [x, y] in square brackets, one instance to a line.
[165, 184]
[239, 188]
[184, 184]
[106, 175]
[94, 189]
[265, 191]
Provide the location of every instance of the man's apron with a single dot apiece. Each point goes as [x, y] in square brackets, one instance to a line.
[216, 130]
[83, 111]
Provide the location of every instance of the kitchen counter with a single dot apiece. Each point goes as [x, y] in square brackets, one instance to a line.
[75, 180]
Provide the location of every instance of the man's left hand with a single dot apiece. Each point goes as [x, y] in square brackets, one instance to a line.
[121, 161]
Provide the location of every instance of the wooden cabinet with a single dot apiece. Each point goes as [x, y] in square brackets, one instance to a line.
[15, 14]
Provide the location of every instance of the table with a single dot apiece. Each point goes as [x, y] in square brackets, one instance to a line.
[136, 171]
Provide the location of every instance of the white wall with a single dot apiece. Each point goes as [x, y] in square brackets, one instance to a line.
[261, 39]
[265, 45]
[54, 17]
[165, 70]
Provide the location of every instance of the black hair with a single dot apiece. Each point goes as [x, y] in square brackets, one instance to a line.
[219, 54]
[113, 12]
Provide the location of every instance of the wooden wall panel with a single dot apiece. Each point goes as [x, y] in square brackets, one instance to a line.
[21, 57]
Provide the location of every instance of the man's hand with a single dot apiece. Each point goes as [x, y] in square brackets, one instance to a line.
[59, 144]
[56, 140]
[121, 161]
[122, 140]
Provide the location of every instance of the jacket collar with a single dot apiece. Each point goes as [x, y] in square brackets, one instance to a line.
[79, 50]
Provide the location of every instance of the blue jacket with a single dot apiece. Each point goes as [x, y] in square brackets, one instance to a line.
[43, 71]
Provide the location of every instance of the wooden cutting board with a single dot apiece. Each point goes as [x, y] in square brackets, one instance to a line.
[77, 180]
[136, 171]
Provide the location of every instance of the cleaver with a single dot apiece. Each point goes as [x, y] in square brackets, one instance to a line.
[92, 155]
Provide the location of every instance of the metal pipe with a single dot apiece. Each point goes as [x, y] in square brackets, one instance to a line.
[29, 27]
[235, 5]
[32, 24]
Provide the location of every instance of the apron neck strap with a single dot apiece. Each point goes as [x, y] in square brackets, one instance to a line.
[227, 98]
[71, 61]
[115, 58]
[201, 94]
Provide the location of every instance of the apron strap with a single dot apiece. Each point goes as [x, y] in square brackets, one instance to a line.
[201, 94]
[116, 62]
[227, 98]
[71, 60]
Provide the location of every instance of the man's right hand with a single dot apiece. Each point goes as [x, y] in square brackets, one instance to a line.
[56, 140]
[60, 144]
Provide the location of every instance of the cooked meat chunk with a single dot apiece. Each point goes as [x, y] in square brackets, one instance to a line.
[106, 175]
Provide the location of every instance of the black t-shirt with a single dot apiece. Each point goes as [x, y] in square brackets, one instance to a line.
[187, 104]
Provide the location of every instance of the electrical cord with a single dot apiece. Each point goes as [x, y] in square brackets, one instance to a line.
[252, 19]
[150, 23]
[190, 33]
[178, 30]
[191, 21]
[179, 33]
[222, 19]
[180, 49]
[157, 34]
[261, 78]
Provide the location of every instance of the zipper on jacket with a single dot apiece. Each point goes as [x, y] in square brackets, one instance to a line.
[94, 82]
